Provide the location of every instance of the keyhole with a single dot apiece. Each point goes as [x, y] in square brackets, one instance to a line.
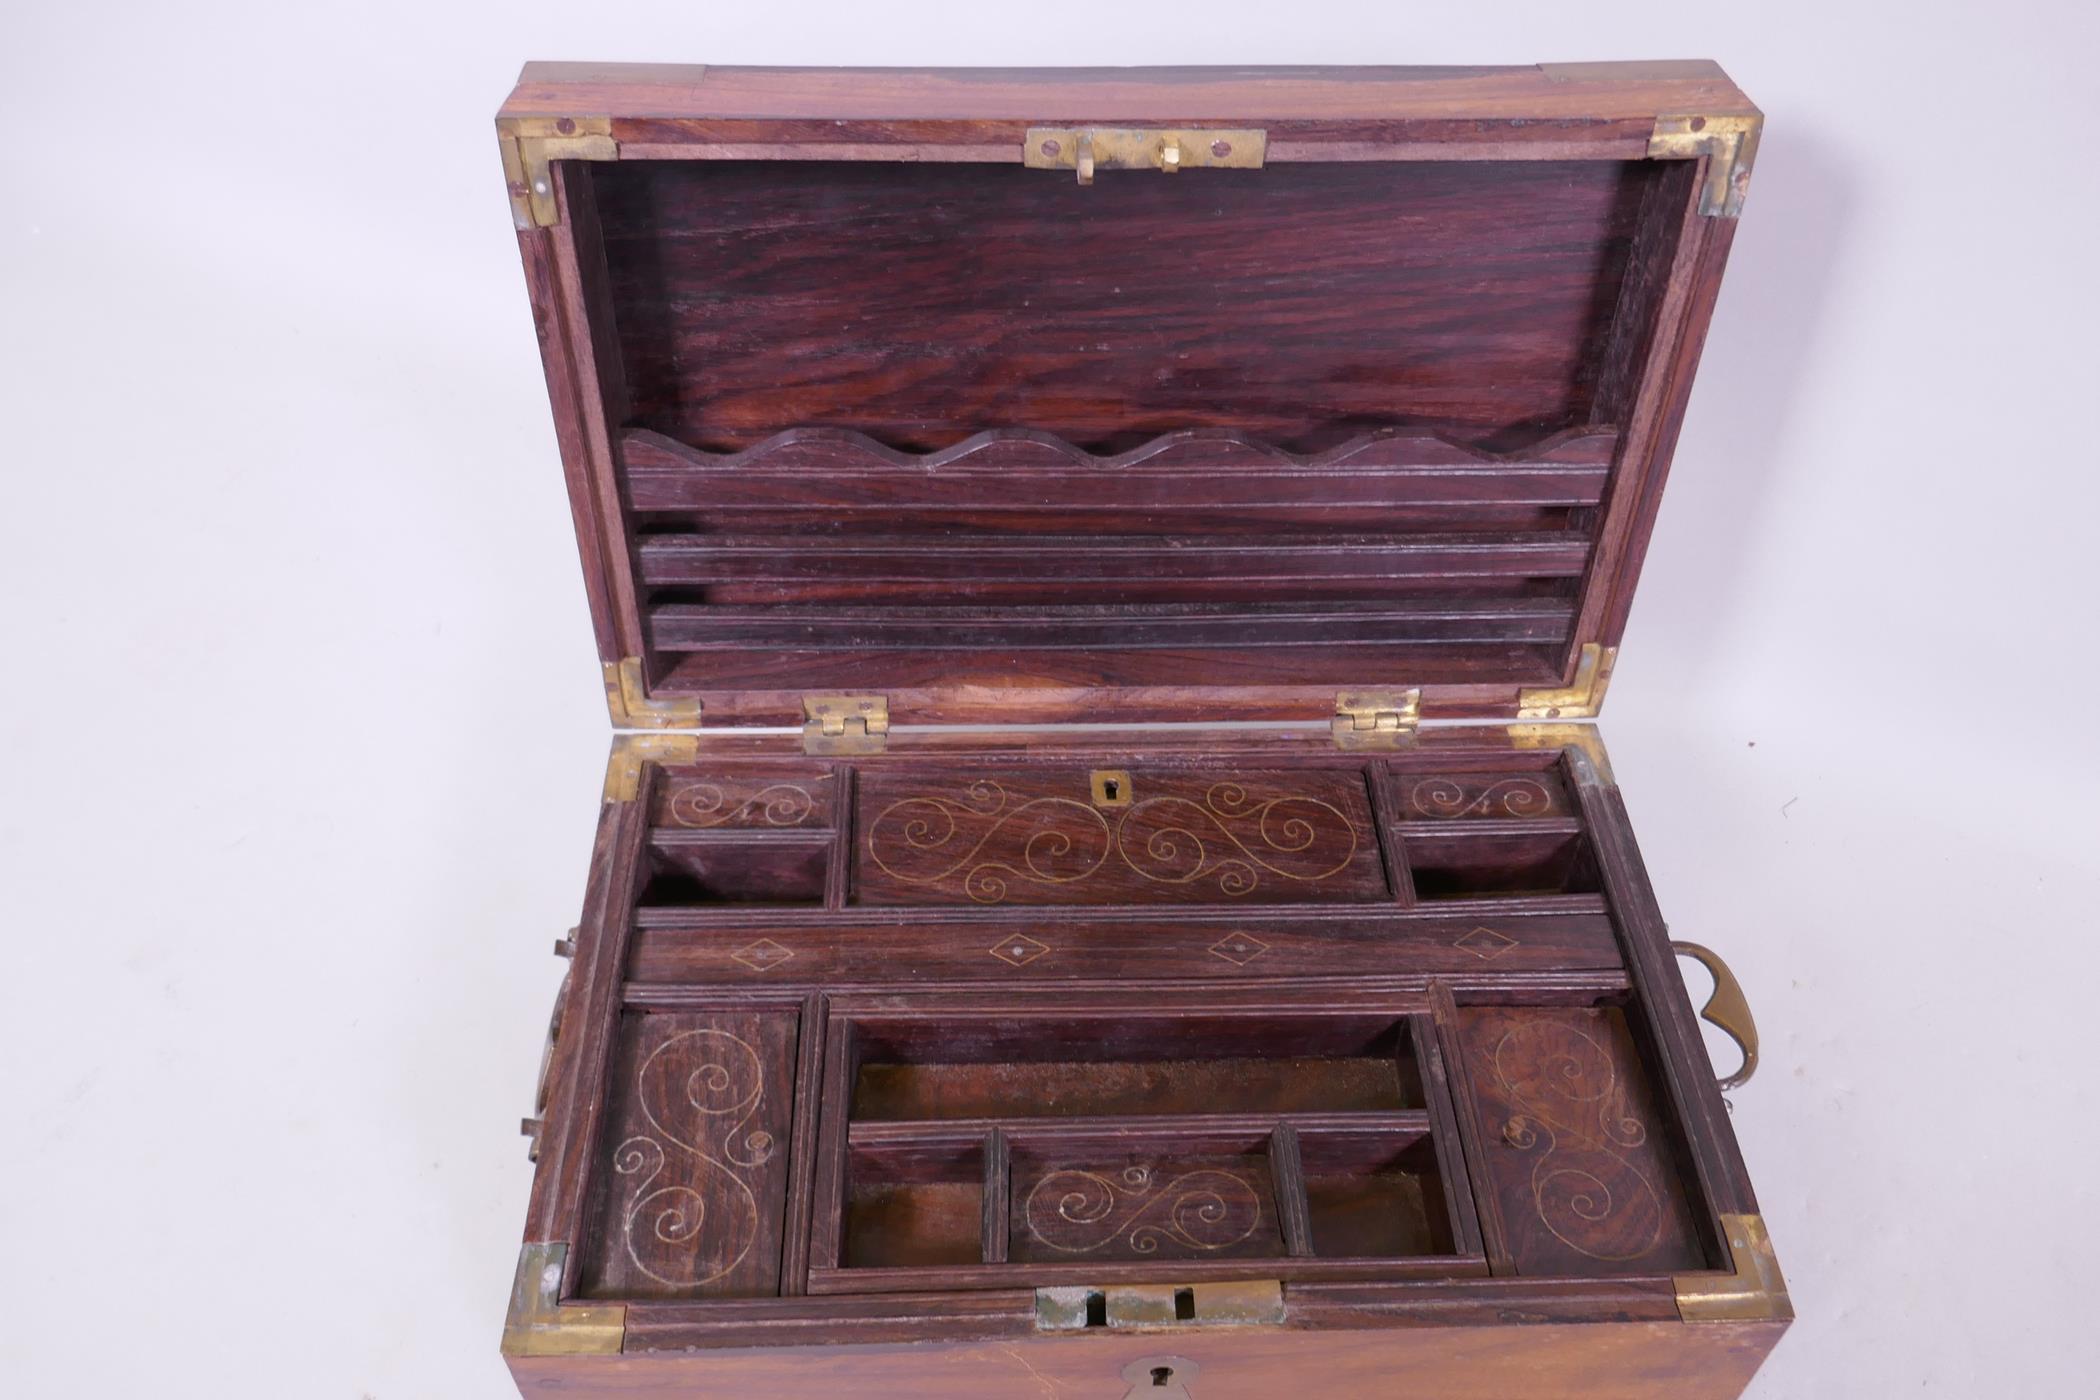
[1109, 790]
[1162, 1375]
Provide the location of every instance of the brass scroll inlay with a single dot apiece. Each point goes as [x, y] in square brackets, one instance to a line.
[1572, 1111]
[1075, 1211]
[1447, 798]
[705, 804]
[674, 1231]
[984, 841]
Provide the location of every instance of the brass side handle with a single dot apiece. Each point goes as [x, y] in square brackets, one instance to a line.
[1727, 1008]
[534, 1126]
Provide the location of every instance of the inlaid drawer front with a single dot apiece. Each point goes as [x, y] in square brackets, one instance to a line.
[689, 1199]
[759, 799]
[1579, 1162]
[1071, 836]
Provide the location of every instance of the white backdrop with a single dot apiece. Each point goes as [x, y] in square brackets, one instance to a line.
[302, 731]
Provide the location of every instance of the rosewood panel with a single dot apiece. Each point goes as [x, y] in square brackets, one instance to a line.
[1054, 837]
[693, 1203]
[1579, 1162]
[922, 302]
[784, 953]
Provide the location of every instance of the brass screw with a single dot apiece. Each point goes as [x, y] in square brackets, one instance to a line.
[1221, 149]
[1051, 148]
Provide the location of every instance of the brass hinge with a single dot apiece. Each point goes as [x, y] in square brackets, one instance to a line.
[530, 144]
[1376, 719]
[540, 1324]
[1085, 149]
[1151, 1305]
[1730, 145]
[623, 766]
[1579, 700]
[1754, 1292]
[627, 697]
[845, 723]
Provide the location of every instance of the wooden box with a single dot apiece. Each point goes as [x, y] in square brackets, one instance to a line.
[1180, 936]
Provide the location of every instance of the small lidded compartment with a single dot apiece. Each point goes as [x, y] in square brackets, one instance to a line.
[929, 835]
[743, 797]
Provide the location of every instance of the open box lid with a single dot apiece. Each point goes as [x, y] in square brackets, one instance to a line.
[923, 397]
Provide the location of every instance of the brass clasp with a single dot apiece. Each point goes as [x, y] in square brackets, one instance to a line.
[1085, 149]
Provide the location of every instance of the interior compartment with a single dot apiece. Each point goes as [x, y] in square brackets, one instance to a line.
[690, 869]
[1123, 1065]
[1373, 1195]
[1477, 865]
[916, 1205]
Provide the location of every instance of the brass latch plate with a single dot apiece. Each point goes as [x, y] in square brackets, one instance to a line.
[1155, 1305]
[845, 723]
[1085, 149]
[1376, 719]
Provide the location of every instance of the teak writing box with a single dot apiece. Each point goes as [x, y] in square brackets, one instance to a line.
[1084, 1044]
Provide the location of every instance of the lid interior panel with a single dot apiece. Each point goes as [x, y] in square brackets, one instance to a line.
[1016, 447]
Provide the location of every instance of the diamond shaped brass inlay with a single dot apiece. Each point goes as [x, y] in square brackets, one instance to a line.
[1019, 949]
[762, 956]
[1239, 949]
[1485, 944]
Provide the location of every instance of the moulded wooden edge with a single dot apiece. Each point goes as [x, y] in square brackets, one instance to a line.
[1635, 1359]
[1595, 95]
[831, 450]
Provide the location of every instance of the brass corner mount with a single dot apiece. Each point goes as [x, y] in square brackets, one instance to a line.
[1730, 145]
[540, 1324]
[1580, 699]
[531, 144]
[627, 697]
[1592, 765]
[1754, 1292]
[623, 766]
